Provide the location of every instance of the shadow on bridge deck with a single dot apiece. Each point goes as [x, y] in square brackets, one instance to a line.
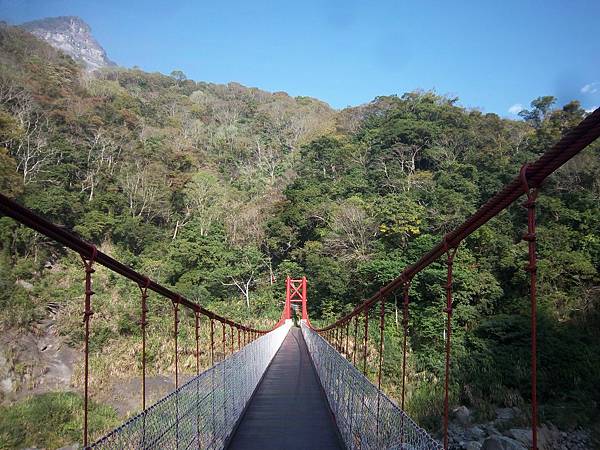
[289, 409]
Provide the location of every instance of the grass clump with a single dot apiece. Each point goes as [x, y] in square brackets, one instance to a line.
[51, 420]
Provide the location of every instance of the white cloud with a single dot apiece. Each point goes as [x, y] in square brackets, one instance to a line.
[591, 88]
[516, 108]
[592, 109]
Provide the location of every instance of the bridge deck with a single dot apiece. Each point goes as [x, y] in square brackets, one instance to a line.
[289, 409]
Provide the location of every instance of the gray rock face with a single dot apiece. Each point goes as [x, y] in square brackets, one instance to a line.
[45, 360]
[73, 36]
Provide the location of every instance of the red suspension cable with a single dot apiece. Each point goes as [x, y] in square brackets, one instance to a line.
[570, 145]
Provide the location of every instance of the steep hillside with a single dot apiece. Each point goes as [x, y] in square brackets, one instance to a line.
[220, 191]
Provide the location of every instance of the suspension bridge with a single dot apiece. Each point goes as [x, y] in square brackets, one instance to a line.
[306, 387]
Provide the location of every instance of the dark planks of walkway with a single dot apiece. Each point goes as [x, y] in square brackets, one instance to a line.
[289, 409]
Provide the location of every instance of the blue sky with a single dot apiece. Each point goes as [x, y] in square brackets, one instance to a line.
[492, 54]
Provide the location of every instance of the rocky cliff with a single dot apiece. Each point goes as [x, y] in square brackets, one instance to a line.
[73, 36]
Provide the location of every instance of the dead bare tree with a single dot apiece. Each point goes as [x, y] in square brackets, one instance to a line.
[352, 231]
[243, 285]
[29, 145]
[268, 158]
[103, 154]
[244, 273]
[144, 186]
[204, 200]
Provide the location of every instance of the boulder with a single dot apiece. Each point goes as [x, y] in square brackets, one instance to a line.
[475, 433]
[507, 414]
[24, 284]
[501, 443]
[549, 437]
[472, 445]
[490, 429]
[462, 415]
[522, 435]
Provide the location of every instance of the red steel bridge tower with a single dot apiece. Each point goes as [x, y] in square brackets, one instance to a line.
[295, 292]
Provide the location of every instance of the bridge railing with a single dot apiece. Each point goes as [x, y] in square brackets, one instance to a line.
[204, 411]
[365, 416]
[346, 334]
[91, 258]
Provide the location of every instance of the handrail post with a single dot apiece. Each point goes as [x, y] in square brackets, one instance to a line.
[355, 339]
[212, 342]
[87, 314]
[531, 267]
[450, 252]
[381, 348]
[223, 340]
[347, 338]
[365, 341]
[143, 323]
[405, 332]
[197, 336]
[176, 333]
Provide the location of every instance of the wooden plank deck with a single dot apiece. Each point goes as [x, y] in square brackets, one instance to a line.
[289, 409]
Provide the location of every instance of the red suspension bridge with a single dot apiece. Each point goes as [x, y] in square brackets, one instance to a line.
[307, 388]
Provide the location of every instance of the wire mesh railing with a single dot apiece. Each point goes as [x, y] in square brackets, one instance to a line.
[204, 411]
[365, 416]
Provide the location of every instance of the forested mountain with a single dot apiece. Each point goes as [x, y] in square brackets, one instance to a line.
[220, 191]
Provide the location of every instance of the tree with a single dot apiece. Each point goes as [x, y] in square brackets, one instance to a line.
[179, 76]
[29, 145]
[400, 218]
[244, 269]
[540, 108]
[145, 184]
[103, 155]
[204, 200]
[11, 184]
[352, 230]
